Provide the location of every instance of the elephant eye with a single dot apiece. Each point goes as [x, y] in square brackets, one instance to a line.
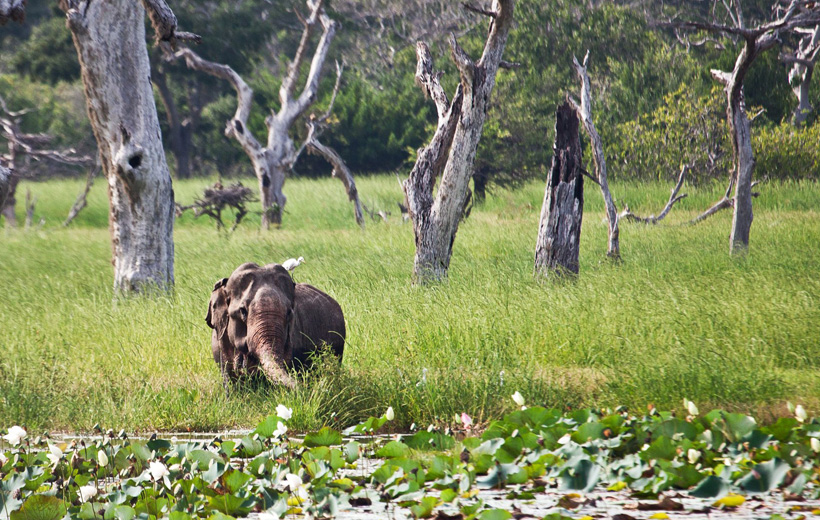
[243, 313]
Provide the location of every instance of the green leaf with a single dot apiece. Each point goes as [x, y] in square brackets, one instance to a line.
[268, 426]
[352, 452]
[40, 507]
[235, 480]
[582, 476]
[738, 426]
[765, 477]
[661, 448]
[231, 504]
[711, 487]
[588, 431]
[325, 437]
[495, 514]
[203, 459]
[123, 512]
[424, 440]
[424, 509]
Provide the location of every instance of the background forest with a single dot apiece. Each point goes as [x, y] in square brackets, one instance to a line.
[658, 107]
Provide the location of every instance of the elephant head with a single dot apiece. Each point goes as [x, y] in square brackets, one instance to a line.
[251, 313]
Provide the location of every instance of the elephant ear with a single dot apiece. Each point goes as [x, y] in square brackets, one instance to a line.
[217, 317]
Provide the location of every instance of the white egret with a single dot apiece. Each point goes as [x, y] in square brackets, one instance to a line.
[292, 263]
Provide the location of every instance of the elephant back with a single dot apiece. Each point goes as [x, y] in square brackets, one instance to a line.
[318, 319]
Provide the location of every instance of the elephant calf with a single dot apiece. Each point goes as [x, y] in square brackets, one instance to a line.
[263, 321]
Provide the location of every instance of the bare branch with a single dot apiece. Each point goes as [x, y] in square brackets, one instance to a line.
[82, 198]
[238, 126]
[430, 81]
[584, 112]
[165, 23]
[673, 199]
[464, 63]
[311, 88]
[289, 83]
[503, 64]
[470, 7]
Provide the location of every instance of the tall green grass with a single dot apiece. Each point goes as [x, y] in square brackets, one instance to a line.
[676, 318]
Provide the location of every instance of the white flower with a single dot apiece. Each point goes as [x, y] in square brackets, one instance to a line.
[3, 459]
[88, 492]
[268, 515]
[565, 439]
[693, 455]
[283, 412]
[158, 470]
[293, 481]
[518, 398]
[102, 458]
[799, 413]
[690, 407]
[15, 435]
[466, 420]
[54, 454]
[280, 430]
[815, 444]
[389, 414]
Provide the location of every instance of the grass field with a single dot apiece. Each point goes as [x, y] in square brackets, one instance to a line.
[677, 318]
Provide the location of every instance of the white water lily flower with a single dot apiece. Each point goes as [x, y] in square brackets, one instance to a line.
[690, 407]
[815, 444]
[280, 430]
[389, 414]
[3, 459]
[693, 455]
[518, 398]
[466, 420]
[102, 458]
[54, 454]
[88, 492]
[293, 481]
[800, 413]
[283, 412]
[158, 470]
[565, 439]
[15, 435]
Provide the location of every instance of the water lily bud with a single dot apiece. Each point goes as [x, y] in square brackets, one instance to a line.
[466, 420]
[15, 435]
[815, 444]
[800, 413]
[284, 412]
[518, 398]
[389, 414]
[691, 408]
[158, 470]
[693, 455]
[102, 458]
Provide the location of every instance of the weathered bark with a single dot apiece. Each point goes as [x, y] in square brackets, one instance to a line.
[110, 41]
[756, 41]
[8, 211]
[559, 230]
[584, 111]
[272, 161]
[800, 75]
[452, 150]
[674, 198]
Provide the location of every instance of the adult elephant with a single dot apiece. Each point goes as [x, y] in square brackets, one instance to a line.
[263, 321]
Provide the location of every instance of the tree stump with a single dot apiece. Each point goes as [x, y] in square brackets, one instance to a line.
[559, 231]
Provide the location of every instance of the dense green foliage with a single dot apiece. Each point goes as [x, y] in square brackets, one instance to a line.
[678, 318]
[527, 454]
[655, 102]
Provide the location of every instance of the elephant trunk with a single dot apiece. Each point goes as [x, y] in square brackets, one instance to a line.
[266, 338]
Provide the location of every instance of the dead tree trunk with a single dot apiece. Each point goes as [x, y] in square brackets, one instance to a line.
[800, 75]
[110, 41]
[452, 150]
[273, 161]
[756, 41]
[559, 231]
[584, 111]
[9, 206]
